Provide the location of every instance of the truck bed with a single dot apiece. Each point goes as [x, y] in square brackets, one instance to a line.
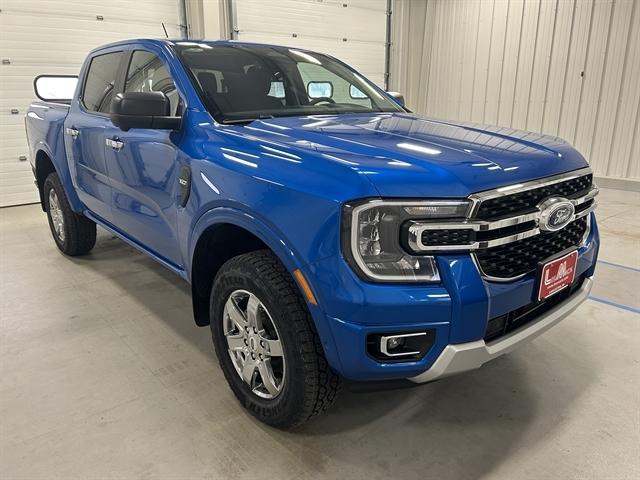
[44, 123]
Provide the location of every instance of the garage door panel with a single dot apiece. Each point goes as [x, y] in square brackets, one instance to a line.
[352, 31]
[12, 153]
[12, 131]
[21, 198]
[120, 11]
[21, 101]
[16, 184]
[17, 143]
[14, 150]
[311, 18]
[50, 36]
[7, 179]
[364, 4]
[25, 27]
[23, 169]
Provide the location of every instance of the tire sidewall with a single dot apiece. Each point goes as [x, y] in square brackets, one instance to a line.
[52, 183]
[273, 411]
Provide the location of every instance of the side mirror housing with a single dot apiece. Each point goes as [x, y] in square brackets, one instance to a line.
[398, 97]
[143, 110]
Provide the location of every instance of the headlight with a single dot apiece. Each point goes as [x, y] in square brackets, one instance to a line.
[374, 240]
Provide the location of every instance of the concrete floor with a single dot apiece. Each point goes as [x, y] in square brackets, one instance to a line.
[104, 375]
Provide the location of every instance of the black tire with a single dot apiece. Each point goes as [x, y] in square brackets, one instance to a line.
[78, 235]
[310, 387]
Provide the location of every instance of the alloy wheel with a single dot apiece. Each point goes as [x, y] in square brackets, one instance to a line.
[254, 344]
[57, 217]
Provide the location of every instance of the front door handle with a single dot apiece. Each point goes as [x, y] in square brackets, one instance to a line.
[73, 132]
[114, 143]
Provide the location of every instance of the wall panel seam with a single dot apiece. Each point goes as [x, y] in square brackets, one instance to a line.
[546, 87]
[584, 61]
[602, 78]
[533, 64]
[566, 67]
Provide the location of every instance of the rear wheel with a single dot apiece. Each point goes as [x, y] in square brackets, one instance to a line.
[74, 234]
[266, 342]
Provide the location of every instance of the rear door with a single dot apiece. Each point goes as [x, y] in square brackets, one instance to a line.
[85, 133]
[143, 165]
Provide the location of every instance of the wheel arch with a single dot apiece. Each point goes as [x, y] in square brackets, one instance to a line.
[44, 164]
[43, 168]
[221, 234]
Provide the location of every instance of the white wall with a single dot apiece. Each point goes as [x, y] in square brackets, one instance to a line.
[569, 68]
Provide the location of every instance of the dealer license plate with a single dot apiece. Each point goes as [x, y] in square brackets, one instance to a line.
[557, 275]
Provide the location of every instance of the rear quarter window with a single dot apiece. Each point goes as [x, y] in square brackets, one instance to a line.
[100, 83]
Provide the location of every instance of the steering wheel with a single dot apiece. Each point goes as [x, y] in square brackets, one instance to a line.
[315, 101]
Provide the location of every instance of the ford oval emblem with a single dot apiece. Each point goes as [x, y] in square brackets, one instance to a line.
[555, 214]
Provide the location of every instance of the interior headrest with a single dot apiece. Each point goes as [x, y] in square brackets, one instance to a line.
[208, 82]
[259, 78]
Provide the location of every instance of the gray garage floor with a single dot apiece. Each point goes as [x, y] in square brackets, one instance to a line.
[103, 375]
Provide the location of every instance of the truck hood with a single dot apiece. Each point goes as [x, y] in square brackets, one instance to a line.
[403, 155]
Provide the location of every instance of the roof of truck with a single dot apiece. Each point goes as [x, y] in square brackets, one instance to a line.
[193, 42]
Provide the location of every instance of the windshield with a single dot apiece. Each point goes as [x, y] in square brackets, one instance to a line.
[241, 83]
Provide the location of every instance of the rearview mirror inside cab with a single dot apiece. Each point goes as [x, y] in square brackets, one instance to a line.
[320, 89]
[356, 93]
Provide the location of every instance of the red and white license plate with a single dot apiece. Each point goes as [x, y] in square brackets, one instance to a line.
[557, 274]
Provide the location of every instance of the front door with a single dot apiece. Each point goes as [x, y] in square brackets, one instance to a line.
[84, 133]
[143, 166]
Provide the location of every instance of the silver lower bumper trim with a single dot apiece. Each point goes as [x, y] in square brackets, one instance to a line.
[462, 357]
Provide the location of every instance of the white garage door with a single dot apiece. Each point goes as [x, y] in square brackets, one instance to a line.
[352, 30]
[52, 36]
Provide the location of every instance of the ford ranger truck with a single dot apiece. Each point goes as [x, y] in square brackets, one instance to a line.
[327, 232]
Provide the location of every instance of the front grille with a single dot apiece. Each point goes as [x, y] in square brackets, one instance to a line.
[500, 326]
[523, 256]
[508, 235]
[526, 201]
[447, 237]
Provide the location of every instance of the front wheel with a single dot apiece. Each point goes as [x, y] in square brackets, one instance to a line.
[266, 342]
[74, 234]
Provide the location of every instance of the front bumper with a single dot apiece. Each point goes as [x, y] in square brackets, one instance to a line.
[469, 356]
[457, 310]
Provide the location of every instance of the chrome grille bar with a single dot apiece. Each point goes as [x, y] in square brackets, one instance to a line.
[478, 198]
[417, 228]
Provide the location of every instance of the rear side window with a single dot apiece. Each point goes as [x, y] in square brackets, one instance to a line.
[147, 73]
[100, 84]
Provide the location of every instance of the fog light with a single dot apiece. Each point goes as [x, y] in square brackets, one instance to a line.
[400, 347]
[394, 342]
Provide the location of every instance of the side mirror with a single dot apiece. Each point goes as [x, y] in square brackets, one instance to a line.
[398, 97]
[55, 88]
[143, 110]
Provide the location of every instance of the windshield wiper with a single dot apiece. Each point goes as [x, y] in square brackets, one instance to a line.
[231, 121]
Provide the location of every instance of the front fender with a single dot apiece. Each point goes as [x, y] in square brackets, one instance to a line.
[282, 248]
[253, 224]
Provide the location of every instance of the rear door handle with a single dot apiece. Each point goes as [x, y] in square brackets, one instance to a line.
[114, 143]
[73, 132]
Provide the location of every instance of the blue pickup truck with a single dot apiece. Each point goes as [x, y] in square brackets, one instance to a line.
[327, 232]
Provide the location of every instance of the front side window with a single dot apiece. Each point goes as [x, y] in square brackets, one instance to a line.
[147, 73]
[100, 83]
[241, 83]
